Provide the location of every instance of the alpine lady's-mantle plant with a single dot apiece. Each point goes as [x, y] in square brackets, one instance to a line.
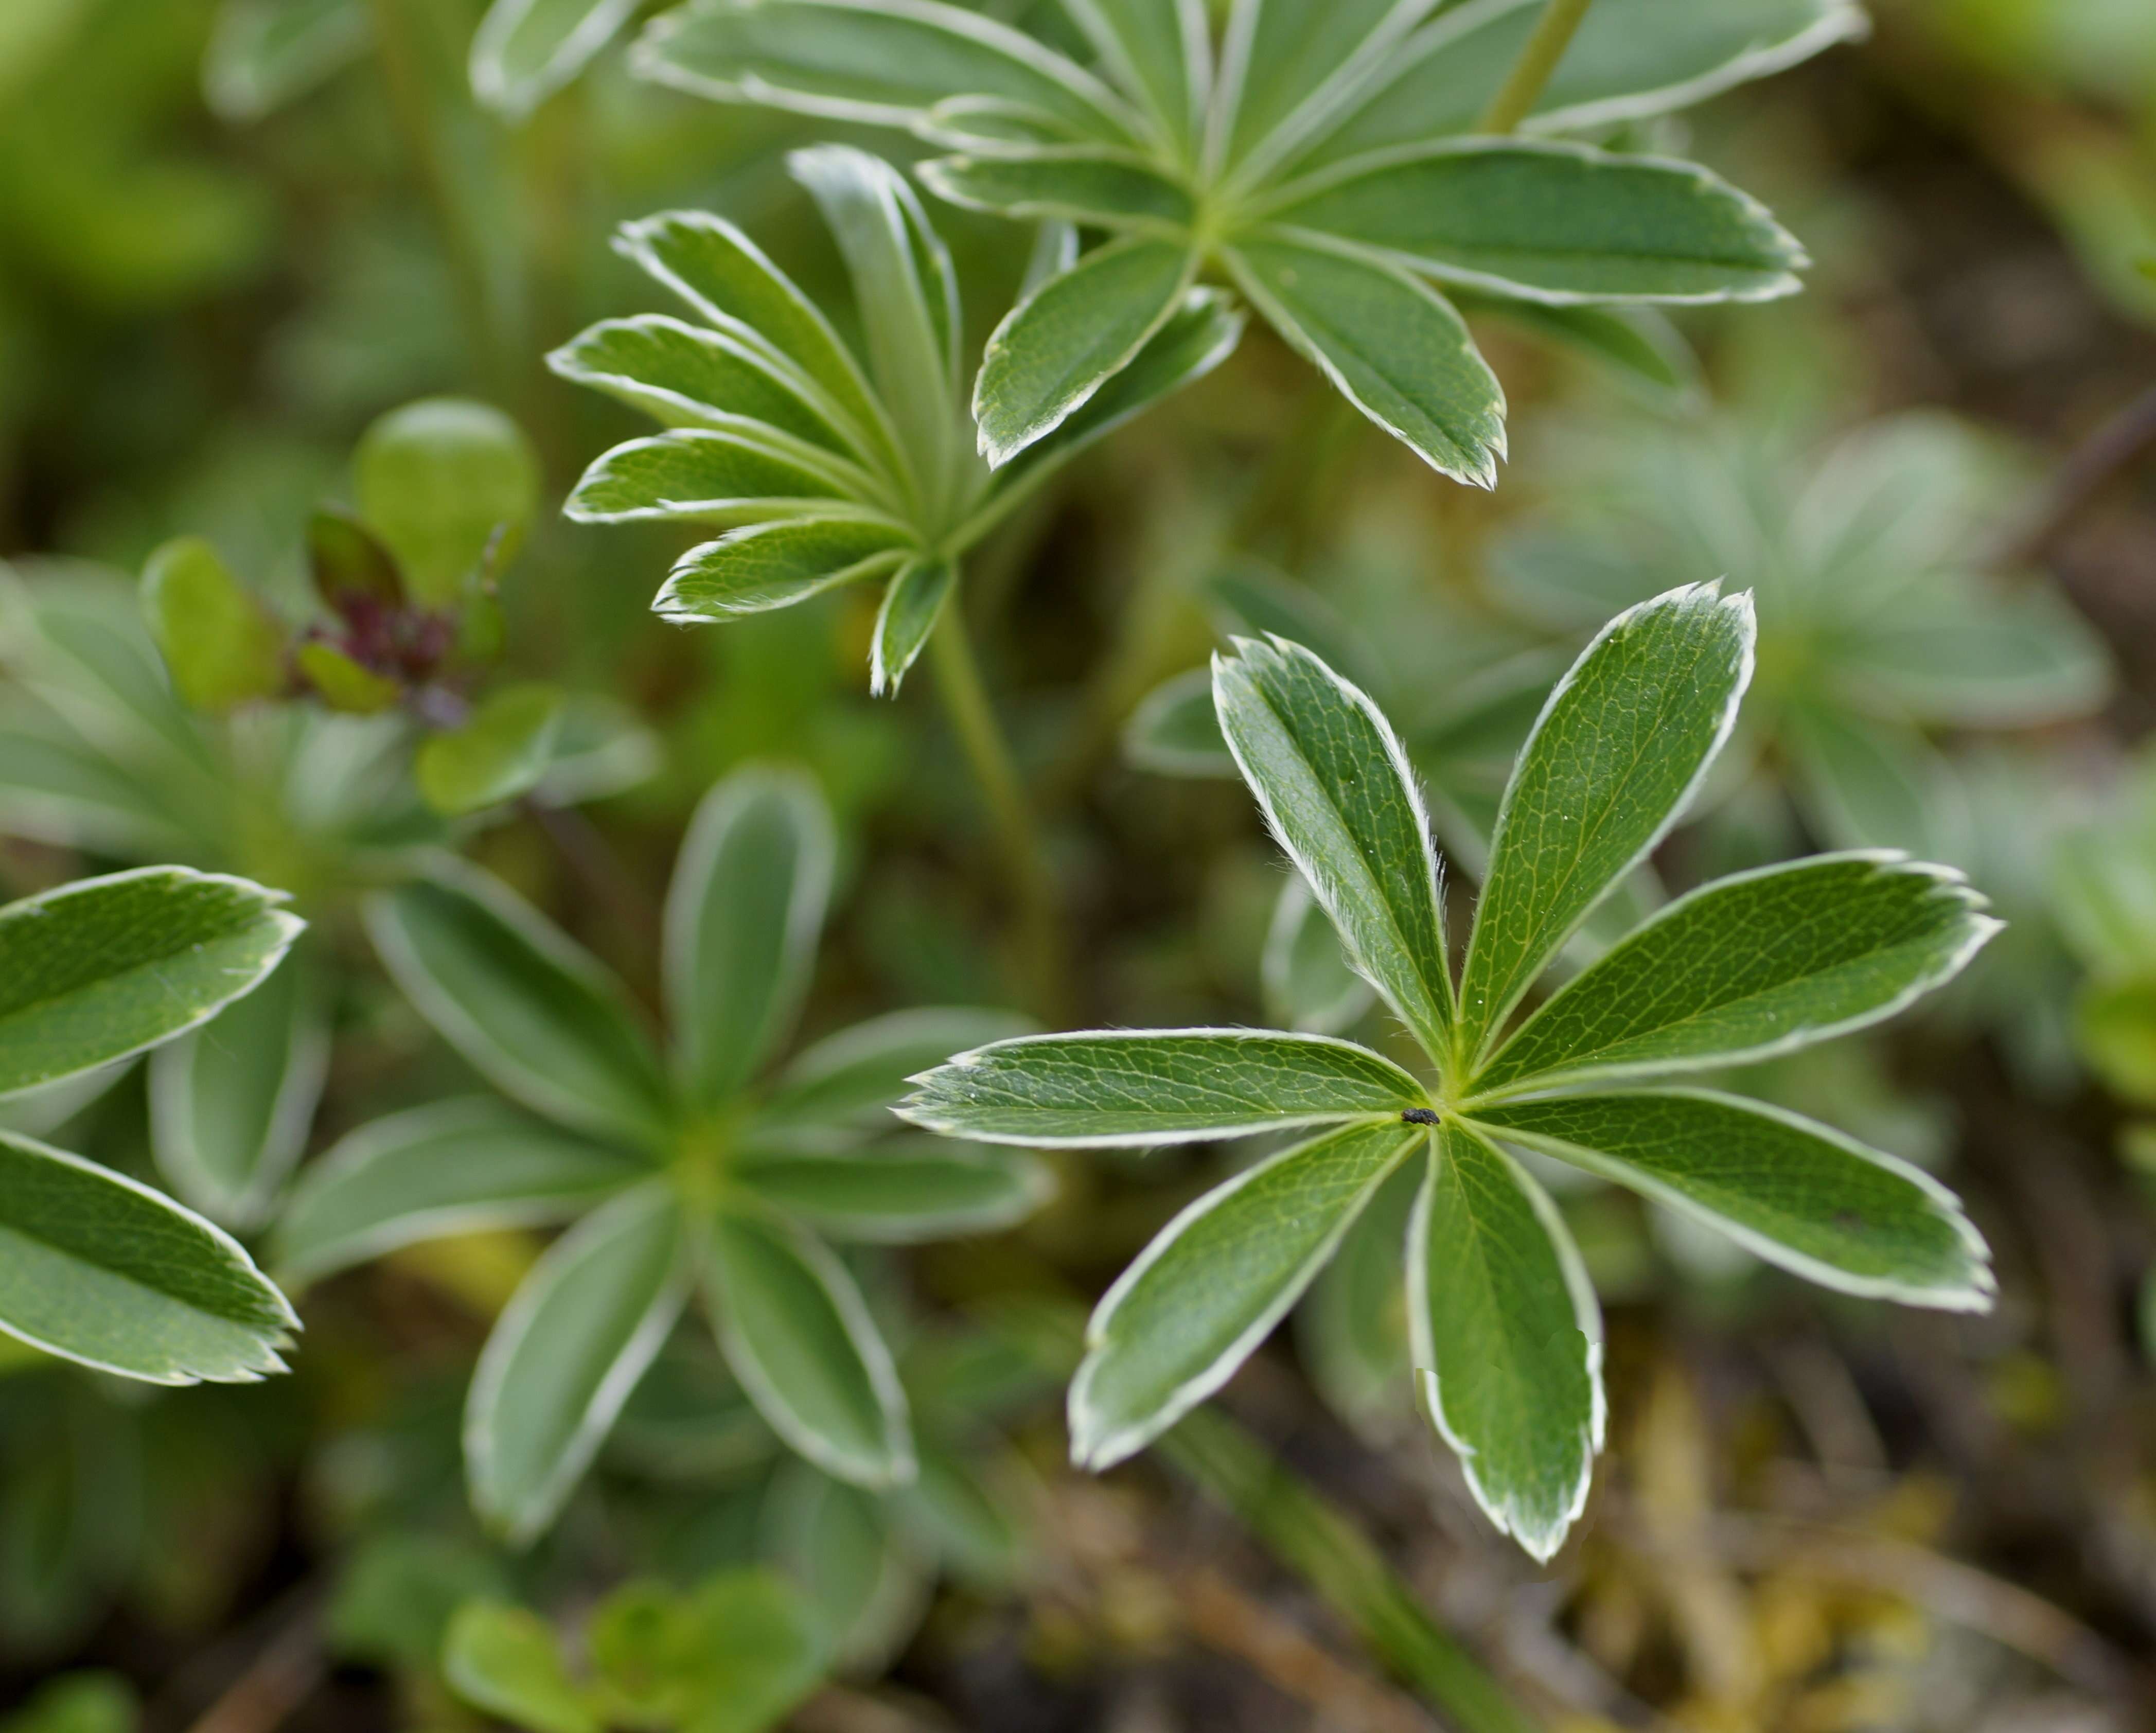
[1319, 154]
[827, 467]
[691, 1172]
[1503, 1323]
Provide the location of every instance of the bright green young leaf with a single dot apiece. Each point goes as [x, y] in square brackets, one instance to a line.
[777, 565]
[343, 683]
[901, 1191]
[1391, 345]
[522, 1000]
[1198, 1300]
[914, 602]
[1143, 1087]
[759, 1647]
[1796, 1193]
[454, 1167]
[743, 918]
[799, 1337]
[1752, 965]
[231, 1103]
[104, 967]
[702, 476]
[565, 1354]
[849, 1081]
[506, 1662]
[1507, 1338]
[99, 1270]
[1620, 747]
[1334, 784]
[450, 485]
[500, 751]
[219, 641]
[525, 50]
[1056, 349]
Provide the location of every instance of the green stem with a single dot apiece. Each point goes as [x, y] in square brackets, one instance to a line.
[1033, 887]
[1522, 88]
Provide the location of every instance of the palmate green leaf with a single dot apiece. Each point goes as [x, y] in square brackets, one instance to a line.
[522, 1000]
[506, 1662]
[743, 915]
[1057, 347]
[231, 1103]
[1507, 1338]
[1797, 1193]
[100, 1270]
[1197, 1302]
[1110, 1087]
[1871, 785]
[1077, 183]
[705, 477]
[1749, 966]
[525, 50]
[566, 1351]
[453, 1167]
[1160, 53]
[1394, 347]
[778, 564]
[902, 1192]
[849, 1081]
[54, 788]
[104, 967]
[1334, 784]
[1297, 61]
[1620, 747]
[1628, 59]
[799, 1336]
[1547, 221]
[913, 602]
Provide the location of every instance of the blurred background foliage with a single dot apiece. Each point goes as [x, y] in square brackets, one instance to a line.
[234, 232]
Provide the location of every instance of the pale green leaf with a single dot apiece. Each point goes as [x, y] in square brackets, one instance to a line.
[264, 53]
[451, 485]
[343, 682]
[231, 1103]
[1507, 1338]
[1620, 746]
[1796, 1192]
[1096, 186]
[743, 915]
[1549, 222]
[1627, 59]
[55, 789]
[99, 1270]
[1199, 1299]
[1057, 347]
[1309, 984]
[758, 1649]
[1289, 67]
[505, 1661]
[858, 1574]
[1753, 965]
[453, 1167]
[704, 476]
[498, 752]
[1351, 1332]
[778, 564]
[222, 646]
[1390, 344]
[901, 1191]
[525, 50]
[1873, 785]
[914, 601]
[522, 1000]
[1142, 1087]
[884, 62]
[104, 967]
[565, 1354]
[850, 1080]
[1637, 344]
[1334, 784]
[1160, 53]
[1175, 729]
[800, 1338]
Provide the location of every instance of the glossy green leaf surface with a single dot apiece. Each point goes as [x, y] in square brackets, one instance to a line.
[1335, 786]
[799, 1337]
[1197, 1302]
[701, 476]
[565, 1354]
[522, 1001]
[742, 918]
[104, 968]
[1619, 748]
[99, 1270]
[1145, 1087]
[1507, 1338]
[1750, 966]
[453, 1167]
[1797, 1193]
